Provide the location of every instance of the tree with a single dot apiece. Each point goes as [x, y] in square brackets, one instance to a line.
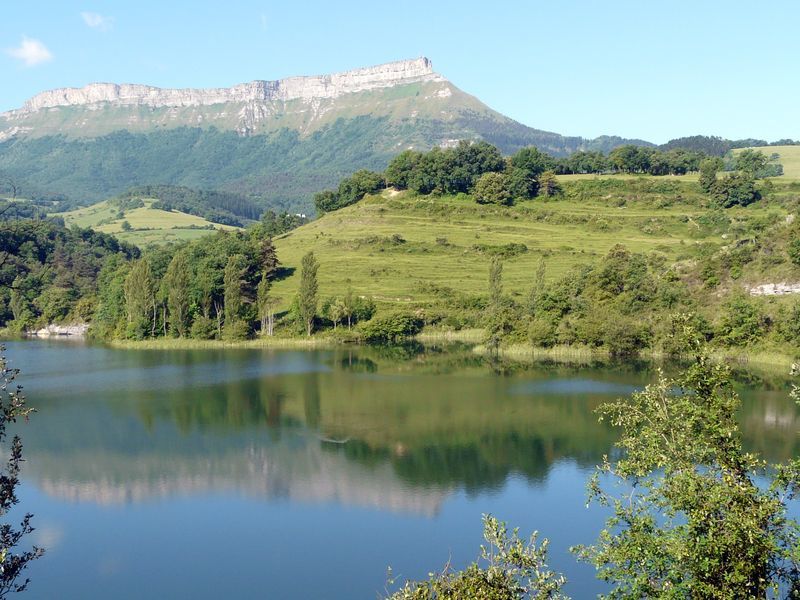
[326, 201]
[708, 173]
[269, 258]
[735, 190]
[266, 305]
[509, 569]
[401, 168]
[12, 407]
[335, 311]
[538, 285]
[532, 161]
[307, 295]
[548, 184]
[751, 162]
[176, 283]
[492, 188]
[234, 271]
[521, 185]
[139, 299]
[690, 521]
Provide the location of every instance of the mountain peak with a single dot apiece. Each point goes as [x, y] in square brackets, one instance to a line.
[292, 88]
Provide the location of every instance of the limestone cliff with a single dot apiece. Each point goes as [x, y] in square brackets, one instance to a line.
[284, 90]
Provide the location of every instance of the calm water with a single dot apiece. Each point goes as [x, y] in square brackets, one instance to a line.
[268, 474]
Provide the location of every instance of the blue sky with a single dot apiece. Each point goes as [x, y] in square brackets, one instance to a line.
[653, 70]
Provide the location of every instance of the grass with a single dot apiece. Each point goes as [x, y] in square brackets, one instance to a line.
[788, 156]
[149, 225]
[303, 343]
[438, 248]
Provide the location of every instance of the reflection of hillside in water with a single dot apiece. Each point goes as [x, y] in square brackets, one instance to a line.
[407, 428]
[296, 469]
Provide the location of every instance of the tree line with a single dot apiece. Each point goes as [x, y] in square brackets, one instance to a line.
[479, 169]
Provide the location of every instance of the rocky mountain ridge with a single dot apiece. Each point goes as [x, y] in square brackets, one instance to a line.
[284, 90]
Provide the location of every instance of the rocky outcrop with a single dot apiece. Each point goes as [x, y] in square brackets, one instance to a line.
[775, 289]
[293, 88]
[74, 330]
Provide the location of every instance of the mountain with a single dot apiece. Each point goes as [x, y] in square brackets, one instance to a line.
[275, 141]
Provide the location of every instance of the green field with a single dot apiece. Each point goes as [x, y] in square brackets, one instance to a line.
[442, 238]
[788, 156]
[149, 225]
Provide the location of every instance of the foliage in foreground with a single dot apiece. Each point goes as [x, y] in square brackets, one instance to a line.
[12, 563]
[692, 514]
[508, 568]
[693, 519]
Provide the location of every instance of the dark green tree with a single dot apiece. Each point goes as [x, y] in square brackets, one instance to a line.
[708, 173]
[176, 283]
[233, 281]
[140, 300]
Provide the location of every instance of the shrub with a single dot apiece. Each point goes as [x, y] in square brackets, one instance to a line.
[203, 328]
[794, 251]
[237, 329]
[542, 333]
[513, 569]
[493, 188]
[742, 322]
[391, 328]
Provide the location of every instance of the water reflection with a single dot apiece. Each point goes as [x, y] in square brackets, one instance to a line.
[406, 439]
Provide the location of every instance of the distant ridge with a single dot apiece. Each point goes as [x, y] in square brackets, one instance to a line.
[276, 142]
[292, 88]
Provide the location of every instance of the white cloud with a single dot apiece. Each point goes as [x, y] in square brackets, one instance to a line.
[97, 21]
[31, 52]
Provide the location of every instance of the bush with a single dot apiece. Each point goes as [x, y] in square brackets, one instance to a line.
[237, 329]
[735, 190]
[742, 322]
[138, 329]
[391, 328]
[493, 188]
[794, 251]
[203, 328]
[513, 569]
[542, 333]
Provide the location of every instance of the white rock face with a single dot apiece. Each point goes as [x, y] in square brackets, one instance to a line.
[256, 92]
[775, 289]
[75, 330]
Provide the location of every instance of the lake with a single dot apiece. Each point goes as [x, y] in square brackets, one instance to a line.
[283, 474]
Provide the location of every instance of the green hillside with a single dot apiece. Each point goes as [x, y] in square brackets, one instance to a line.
[277, 153]
[788, 156]
[148, 225]
[407, 250]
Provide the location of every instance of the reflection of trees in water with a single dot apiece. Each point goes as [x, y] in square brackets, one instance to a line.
[433, 418]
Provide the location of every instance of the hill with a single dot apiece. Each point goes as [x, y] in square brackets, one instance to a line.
[274, 141]
[148, 225]
[407, 250]
[788, 156]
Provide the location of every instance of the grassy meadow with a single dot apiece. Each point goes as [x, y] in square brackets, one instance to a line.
[148, 225]
[403, 250]
[788, 156]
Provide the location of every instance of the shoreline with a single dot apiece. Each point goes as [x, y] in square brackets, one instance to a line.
[520, 352]
[524, 353]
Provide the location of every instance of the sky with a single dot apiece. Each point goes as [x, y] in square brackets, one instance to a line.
[638, 69]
